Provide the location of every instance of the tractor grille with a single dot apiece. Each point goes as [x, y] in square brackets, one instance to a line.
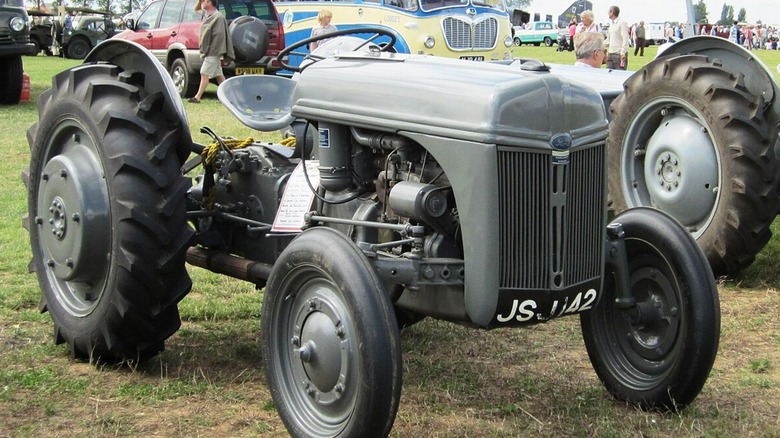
[462, 33]
[551, 218]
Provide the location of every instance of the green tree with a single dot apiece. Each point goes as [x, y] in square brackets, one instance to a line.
[700, 12]
[742, 17]
[726, 15]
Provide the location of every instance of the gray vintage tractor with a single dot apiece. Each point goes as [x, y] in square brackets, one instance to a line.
[418, 187]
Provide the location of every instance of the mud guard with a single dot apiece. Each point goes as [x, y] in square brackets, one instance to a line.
[738, 60]
[132, 56]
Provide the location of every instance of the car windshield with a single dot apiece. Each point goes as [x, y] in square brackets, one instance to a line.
[430, 5]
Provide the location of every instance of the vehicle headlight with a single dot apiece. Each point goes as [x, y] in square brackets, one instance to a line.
[430, 42]
[17, 24]
[508, 41]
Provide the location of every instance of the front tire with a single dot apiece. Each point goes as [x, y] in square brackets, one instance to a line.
[11, 71]
[78, 48]
[107, 199]
[687, 138]
[331, 346]
[37, 46]
[548, 41]
[186, 84]
[658, 353]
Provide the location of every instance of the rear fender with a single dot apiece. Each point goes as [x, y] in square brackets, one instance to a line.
[759, 80]
[131, 56]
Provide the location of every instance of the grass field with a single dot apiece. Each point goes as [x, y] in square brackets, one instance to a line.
[457, 382]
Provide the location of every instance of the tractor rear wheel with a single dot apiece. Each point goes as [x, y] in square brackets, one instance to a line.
[687, 138]
[107, 206]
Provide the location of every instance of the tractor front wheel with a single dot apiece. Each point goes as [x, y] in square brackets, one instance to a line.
[657, 351]
[330, 341]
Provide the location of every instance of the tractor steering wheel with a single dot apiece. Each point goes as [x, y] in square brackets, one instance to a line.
[375, 31]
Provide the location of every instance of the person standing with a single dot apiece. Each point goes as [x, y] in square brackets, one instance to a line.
[617, 41]
[572, 31]
[588, 22]
[639, 39]
[734, 33]
[323, 17]
[214, 43]
[589, 49]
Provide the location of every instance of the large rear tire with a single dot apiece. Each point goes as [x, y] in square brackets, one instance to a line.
[107, 207]
[11, 71]
[658, 353]
[687, 138]
[331, 347]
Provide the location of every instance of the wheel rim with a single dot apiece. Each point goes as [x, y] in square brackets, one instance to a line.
[178, 74]
[317, 353]
[646, 336]
[670, 161]
[79, 49]
[73, 220]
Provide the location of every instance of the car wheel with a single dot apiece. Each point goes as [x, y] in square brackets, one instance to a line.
[11, 72]
[518, 42]
[185, 82]
[548, 41]
[37, 46]
[78, 48]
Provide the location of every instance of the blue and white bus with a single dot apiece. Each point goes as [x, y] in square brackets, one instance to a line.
[477, 30]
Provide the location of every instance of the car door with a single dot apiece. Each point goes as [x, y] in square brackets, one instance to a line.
[167, 28]
[141, 32]
[188, 30]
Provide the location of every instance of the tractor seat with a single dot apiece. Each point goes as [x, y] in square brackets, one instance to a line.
[259, 102]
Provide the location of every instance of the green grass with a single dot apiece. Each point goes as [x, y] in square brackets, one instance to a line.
[457, 381]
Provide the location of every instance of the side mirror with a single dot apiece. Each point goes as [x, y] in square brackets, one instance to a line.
[130, 24]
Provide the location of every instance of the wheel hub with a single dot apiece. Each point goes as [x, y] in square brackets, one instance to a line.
[73, 222]
[58, 218]
[320, 345]
[653, 324]
[681, 169]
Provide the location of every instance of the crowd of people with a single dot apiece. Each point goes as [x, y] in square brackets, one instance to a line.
[592, 50]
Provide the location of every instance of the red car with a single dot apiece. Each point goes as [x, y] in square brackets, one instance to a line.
[170, 29]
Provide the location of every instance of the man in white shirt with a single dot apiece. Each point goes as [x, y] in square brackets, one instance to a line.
[617, 41]
[589, 49]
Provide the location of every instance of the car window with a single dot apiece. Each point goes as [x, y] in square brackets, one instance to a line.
[148, 18]
[233, 9]
[189, 11]
[171, 13]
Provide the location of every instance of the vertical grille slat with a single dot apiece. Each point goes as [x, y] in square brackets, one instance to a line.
[527, 229]
[461, 33]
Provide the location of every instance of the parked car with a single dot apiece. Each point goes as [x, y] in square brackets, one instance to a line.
[536, 33]
[170, 30]
[14, 42]
[41, 32]
[85, 32]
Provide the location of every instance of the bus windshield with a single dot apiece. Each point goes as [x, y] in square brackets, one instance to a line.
[432, 5]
